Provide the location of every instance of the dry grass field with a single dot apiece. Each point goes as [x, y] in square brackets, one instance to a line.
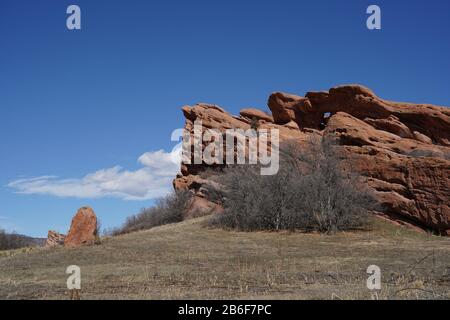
[188, 261]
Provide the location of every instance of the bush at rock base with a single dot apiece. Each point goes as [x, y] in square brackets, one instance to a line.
[311, 192]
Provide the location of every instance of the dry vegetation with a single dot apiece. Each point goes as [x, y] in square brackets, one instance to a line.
[167, 210]
[12, 241]
[187, 260]
[310, 192]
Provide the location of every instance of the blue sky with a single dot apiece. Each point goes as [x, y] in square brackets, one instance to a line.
[77, 105]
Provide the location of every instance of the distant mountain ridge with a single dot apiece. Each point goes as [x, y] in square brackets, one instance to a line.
[10, 241]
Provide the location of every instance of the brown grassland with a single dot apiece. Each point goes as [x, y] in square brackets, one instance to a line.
[188, 261]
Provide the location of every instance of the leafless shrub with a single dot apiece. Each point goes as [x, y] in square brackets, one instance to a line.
[98, 232]
[166, 210]
[10, 241]
[310, 192]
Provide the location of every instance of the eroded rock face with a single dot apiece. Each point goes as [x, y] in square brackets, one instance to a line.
[360, 102]
[403, 149]
[409, 177]
[251, 113]
[54, 239]
[83, 230]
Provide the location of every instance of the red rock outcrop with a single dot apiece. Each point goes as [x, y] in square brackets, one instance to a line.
[403, 149]
[83, 229]
[360, 102]
[251, 113]
[54, 239]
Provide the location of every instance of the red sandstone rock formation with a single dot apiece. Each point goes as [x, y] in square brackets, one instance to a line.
[403, 149]
[54, 239]
[83, 230]
[251, 113]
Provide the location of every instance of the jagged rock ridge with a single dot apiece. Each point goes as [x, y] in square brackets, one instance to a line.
[54, 239]
[403, 149]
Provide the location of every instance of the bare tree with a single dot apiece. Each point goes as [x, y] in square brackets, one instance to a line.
[10, 241]
[310, 192]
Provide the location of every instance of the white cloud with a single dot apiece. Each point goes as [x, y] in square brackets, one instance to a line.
[151, 181]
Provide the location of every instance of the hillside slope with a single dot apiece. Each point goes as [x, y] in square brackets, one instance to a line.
[186, 260]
